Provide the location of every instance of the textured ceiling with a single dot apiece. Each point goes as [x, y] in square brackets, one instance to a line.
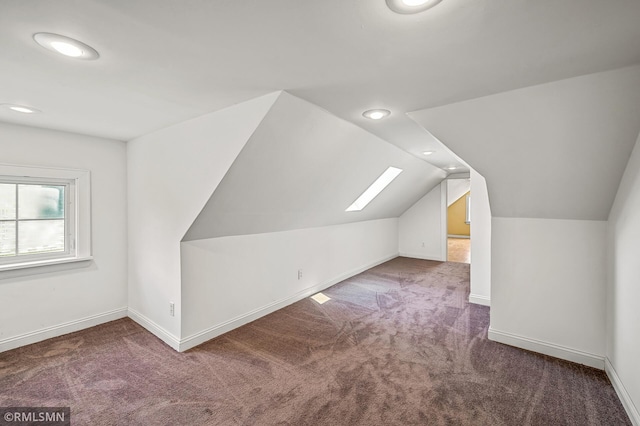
[164, 61]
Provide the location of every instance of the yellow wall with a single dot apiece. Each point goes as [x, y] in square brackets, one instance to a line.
[456, 214]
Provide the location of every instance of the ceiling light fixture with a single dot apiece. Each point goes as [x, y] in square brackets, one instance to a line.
[20, 108]
[66, 46]
[427, 152]
[376, 114]
[411, 6]
[451, 168]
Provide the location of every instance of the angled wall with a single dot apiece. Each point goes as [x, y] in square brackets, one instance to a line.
[456, 217]
[456, 188]
[552, 156]
[280, 209]
[171, 175]
[302, 168]
[553, 151]
[623, 291]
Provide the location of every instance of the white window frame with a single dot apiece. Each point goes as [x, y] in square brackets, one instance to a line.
[77, 217]
[467, 216]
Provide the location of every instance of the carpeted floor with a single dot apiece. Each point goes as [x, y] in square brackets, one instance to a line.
[396, 345]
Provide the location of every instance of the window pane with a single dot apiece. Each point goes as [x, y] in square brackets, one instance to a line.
[40, 202]
[40, 236]
[7, 201]
[7, 239]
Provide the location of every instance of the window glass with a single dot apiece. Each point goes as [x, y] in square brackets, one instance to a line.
[32, 219]
[40, 236]
[7, 239]
[45, 218]
[7, 201]
[40, 202]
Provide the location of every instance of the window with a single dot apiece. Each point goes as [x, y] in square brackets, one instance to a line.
[376, 188]
[467, 218]
[44, 216]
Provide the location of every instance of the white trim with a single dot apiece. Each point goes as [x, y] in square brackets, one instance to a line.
[79, 209]
[461, 175]
[444, 226]
[47, 262]
[479, 299]
[155, 329]
[551, 349]
[420, 256]
[224, 327]
[467, 237]
[61, 329]
[624, 396]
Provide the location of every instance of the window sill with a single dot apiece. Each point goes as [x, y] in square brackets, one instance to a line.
[40, 263]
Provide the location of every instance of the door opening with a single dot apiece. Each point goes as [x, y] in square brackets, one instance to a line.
[459, 220]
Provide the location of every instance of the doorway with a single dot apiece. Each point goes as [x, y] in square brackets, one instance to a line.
[459, 220]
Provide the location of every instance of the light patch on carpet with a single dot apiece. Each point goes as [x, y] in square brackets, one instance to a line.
[320, 298]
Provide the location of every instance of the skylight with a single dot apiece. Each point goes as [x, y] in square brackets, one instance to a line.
[376, 188]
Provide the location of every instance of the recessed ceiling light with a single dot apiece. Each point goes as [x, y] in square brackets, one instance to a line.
[376, 114]
[66, 46]
[451, 168]
[428, 152]
[411, 6]
[20, 108]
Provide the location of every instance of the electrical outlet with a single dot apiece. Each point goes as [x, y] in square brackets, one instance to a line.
[299, 274]
[172, 309]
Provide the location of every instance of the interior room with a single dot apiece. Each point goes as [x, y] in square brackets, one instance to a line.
[336, 212]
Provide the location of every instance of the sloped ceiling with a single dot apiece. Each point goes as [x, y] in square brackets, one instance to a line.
[556, 150]
[302, 168]
[456, 188]
[166, 61]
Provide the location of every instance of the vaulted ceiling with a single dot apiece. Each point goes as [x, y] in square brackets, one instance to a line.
[555, 150]
[165, 61]
[301, 168]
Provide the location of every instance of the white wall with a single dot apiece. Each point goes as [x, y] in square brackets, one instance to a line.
[548, 287]
[229, 281]
[172, 173]
[623, 292]
[480, 241]
[422, 228]
[525, 141]
[456, 188]
[70, 297]
[301, 168]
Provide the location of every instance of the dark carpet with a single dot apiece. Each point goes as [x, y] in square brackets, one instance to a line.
[395, 345]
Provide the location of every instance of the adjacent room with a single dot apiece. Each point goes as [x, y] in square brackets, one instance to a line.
[363, 212]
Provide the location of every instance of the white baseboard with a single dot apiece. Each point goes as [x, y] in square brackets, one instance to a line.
[218, 329]
[546, 348]
[61, 329]
[624, 396]
[155, 329]
[421, 256]
[479, 299]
